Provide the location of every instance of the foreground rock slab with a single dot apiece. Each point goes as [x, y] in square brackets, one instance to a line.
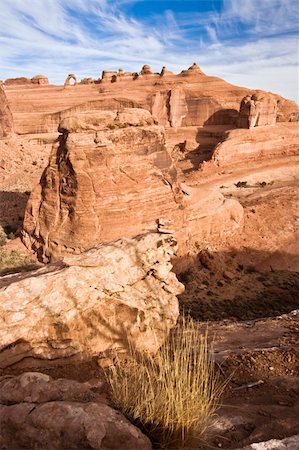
[39, 412]
[115, 293]
[290, 443]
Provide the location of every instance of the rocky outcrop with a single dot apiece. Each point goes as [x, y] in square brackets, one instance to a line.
[117, 293]
[40, 79]
[257, 110]
[39, 412]
[210, 100]
[68, 79]
[170, 107]
[108, 76]
[166, 72]
[17, 81]
[146, 70]
[192, 70]
[257, 144]
[37, 79]
[6, 121]
[109, 176]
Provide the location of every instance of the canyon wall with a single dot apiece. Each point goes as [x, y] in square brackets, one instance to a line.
[110, 175]
[6, 120]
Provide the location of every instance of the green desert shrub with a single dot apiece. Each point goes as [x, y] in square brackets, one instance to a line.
[174, 394]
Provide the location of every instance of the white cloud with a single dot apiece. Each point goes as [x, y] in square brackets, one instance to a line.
[250, 42]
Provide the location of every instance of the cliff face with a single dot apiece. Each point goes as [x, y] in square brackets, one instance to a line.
[190, 98]
[6, 121]
[258, 144]
[109, 176]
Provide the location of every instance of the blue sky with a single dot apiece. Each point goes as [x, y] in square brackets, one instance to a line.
[251, 43]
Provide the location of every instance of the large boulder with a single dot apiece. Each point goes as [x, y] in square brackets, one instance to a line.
[117, 293]
[39, 412]
[6, 122]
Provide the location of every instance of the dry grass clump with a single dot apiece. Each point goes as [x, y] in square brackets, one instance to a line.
[14, 261]
[174, 394]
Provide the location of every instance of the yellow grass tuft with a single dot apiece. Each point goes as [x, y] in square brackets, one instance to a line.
[173, 394]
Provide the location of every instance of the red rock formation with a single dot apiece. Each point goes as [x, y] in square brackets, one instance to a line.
[114, 294]
[6, 121]
[166, 72]
[257, 110]
[193, 70]
[17, 81]
[39, 79]
[240, 146]
[108, 76]
[111, 176]
[110, 172]
[209, 100]
[68, 79]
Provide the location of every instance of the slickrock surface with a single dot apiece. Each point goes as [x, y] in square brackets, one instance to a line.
[111, 176]
[39, 412]
[6, 121]
[261, 143]
[114, 294]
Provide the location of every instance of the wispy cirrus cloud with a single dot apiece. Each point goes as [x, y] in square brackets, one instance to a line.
[248, 42]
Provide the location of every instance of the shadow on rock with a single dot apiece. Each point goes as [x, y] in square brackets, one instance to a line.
[238, 285]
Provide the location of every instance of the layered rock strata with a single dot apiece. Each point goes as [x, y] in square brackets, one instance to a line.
[39, 412]
[117, 293]
[37, 79]
[266, 143]
[6, 121]
[257, 110]
[110, 176]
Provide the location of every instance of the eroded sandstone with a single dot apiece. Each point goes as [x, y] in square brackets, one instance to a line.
[6, 121]
[257, 110]
[116, 293]
[110, 175]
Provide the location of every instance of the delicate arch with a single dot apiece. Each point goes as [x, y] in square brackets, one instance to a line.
[70, 77]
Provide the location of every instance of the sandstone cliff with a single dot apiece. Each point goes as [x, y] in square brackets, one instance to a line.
[257, 110]
[261, 143]
[6, 121]
[110, 175]
[190, 98]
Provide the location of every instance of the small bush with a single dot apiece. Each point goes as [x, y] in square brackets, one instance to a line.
[174, 394]
[262, 184]
[241, 184]
[14, 261]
